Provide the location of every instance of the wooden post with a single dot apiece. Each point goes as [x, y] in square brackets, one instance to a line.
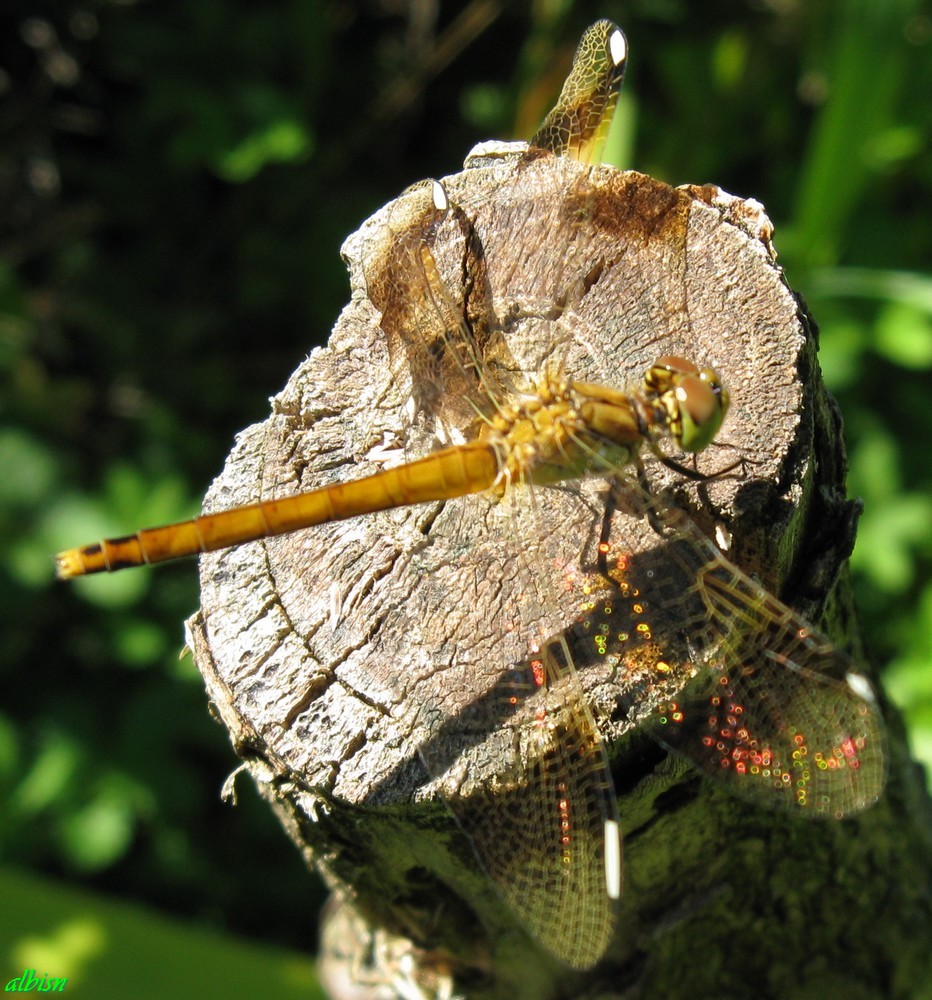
[321, 649]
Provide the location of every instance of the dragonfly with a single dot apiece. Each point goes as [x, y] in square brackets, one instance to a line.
[729, 676]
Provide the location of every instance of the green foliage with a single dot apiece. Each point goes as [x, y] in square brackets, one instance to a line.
[108, 949]
[175, 182]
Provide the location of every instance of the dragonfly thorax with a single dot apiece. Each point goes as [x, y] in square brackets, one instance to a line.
[547, 435]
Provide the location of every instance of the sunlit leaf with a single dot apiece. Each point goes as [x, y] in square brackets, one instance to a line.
[99, 833]
[51, 770]
[280, 141]
[904, 335]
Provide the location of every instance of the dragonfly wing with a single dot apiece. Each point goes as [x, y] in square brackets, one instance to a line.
[438, 336]
[773, 710]
[530, 786]
[579, 122]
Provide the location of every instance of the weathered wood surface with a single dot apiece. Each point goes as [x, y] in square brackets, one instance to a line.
[320, 649]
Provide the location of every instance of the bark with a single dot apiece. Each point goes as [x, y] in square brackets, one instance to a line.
[321, 648]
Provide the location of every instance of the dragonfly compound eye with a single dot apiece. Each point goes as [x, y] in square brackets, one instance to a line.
[702, 404]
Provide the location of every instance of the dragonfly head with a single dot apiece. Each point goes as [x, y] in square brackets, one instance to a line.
[693, 398]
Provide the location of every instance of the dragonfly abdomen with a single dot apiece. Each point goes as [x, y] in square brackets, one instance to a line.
[452, 472]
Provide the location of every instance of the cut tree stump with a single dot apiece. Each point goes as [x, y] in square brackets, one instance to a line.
[321, 648]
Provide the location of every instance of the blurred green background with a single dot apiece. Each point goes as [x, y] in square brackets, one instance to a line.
[175, 181]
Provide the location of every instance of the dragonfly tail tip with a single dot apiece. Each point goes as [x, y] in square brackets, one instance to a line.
[68, 564]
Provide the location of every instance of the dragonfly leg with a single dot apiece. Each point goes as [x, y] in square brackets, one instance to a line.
[694, 474]
[616, 489]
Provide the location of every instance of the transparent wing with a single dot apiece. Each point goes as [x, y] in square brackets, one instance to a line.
[530, 786]
[441, 338]
[771, 709]
[578, 124]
